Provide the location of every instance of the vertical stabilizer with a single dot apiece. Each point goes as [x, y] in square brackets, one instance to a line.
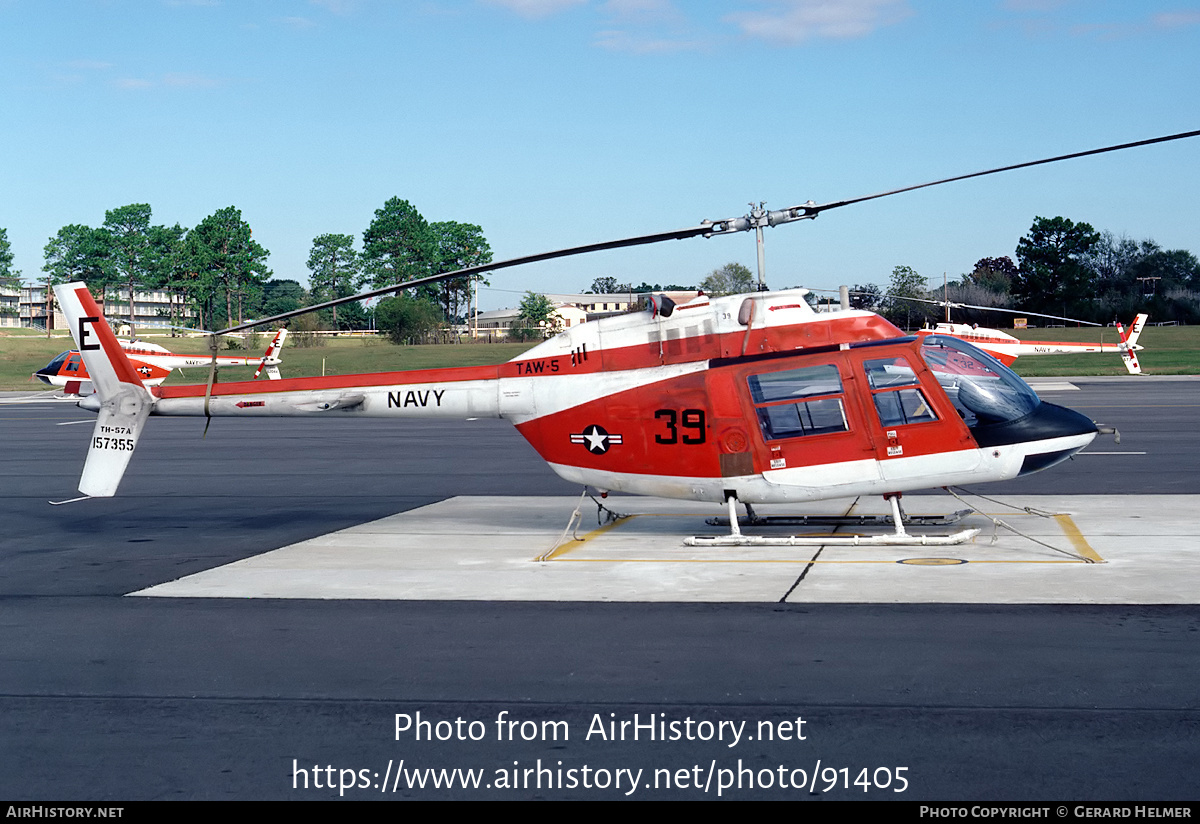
[1129, 345]
[123, 399]
[270, 360]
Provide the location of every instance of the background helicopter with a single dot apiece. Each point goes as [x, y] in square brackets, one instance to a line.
[750, 398]
[1006, 348]
[154, 363]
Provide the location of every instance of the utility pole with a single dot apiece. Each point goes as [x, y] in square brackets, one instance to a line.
[49, 306]
[1153, 285]
[475, 317]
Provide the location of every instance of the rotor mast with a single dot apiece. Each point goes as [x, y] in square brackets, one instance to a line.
[758, 215]
[759, 218]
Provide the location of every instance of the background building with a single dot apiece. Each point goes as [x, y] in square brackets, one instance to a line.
[25, 306]
[10, 303]
[570, 309]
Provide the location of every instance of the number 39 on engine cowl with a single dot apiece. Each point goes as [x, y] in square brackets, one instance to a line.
[754, 398]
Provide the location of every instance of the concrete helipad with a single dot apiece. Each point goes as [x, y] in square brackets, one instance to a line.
[1077, 549]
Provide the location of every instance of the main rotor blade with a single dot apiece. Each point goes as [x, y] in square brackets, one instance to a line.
[812, 210]
[954, 305]
[706, 227]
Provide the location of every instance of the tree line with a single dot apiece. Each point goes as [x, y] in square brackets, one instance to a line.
[9, 276]
[217, 273]
[730, 279]
[1062, 268]
[215, 269]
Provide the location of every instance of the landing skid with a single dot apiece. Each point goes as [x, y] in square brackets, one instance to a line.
[841, 520]
[886, 540]
[898, 519]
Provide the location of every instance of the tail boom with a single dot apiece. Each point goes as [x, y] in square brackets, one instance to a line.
[462, 392]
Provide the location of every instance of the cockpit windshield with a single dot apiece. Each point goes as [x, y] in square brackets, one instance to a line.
[58, 361]
[983, 390]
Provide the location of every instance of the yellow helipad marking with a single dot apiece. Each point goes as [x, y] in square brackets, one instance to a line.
[571, 543]
[1077, 540]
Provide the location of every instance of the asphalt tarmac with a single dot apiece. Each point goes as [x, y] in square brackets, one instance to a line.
[106, 697]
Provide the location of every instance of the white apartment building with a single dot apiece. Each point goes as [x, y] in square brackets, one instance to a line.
[152, 308]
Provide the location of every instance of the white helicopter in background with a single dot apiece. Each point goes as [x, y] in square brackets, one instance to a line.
[153, 363]
[1006, 348]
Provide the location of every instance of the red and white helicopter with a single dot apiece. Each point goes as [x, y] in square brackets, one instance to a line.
[153, 363]
[1006, 348]
[750, 398]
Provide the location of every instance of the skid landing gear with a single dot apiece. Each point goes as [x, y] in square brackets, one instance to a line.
[898, 520]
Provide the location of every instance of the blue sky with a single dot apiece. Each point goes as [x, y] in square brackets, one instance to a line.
[552, 123]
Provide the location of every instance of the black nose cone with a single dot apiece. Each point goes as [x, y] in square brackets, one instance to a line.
[1045, 422]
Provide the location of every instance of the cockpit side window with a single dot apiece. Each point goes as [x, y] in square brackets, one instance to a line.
[902, 407]
[796, 403]
[889, 373]
[894, 388]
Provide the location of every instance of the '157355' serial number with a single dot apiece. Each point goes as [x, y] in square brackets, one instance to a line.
[119, 444]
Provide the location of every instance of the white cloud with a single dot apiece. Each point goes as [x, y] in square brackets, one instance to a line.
[623, 41]
[643, 11]
[1032, 5]
[175, 80]
[648, 27]
[533, 9]
[335, 6]
[1163, 21]
[790, 22]
[1039, 22]
[1175, 19]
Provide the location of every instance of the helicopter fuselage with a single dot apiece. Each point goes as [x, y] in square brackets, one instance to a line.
[751, 395]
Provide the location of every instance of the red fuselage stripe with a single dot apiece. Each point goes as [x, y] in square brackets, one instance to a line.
[448, 375]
